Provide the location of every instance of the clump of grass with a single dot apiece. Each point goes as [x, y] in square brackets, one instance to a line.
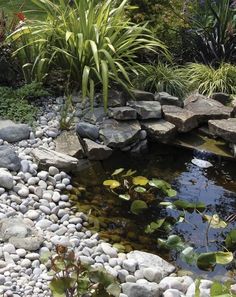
[208, 80]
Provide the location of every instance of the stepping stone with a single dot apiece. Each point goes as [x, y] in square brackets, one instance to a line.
[183, 119]
[96, 151]
[12, 132]
[46, 158]
[225, 129]
[116, 134]
[147, 109]
[166, 99]
[68, 143]
[207, 109]
[159, 130]
[123, 113]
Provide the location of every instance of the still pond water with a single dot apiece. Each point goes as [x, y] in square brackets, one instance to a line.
[215, 186]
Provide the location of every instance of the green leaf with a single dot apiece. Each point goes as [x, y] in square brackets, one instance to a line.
[230, 240]
[114, 290]
[188, 255]
[138, 206]
[129, 173]
[220, 290]
[224, 257]
[68, 35]
[206, 261]
[170, 192]
[60, 286]
[163, 186]
[45, 256]
[215, 221]
[118, 171]
[140, 189]
[185, 205]
[140, 181]
[125, 196]
[172, 242]
[111, 183]
[153, 226]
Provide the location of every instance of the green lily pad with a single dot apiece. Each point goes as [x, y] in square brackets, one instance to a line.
[111, 183]
[118, 171]
[125, 196]
[140, 181]
[153, 226]
[140, 189]
[207, 261]
[230, 240]
[163, 186]
[138, 206]
[215, 221]
[172, 242]
[185, 205]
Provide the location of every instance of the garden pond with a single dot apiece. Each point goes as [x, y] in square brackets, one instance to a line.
[201, 220]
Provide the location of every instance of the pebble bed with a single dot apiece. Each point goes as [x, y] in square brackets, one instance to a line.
[36, 196]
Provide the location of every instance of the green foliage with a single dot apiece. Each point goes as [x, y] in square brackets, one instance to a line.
[207, 80]
[230, 240]
[164, 78]
[221, 290]
[92, 41]
[67, 114]
[31, 91]
[73, 279]
[14, 103]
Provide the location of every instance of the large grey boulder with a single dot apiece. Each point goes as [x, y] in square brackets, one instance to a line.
[68, 143]
[207, 109]
[20, 233]
[87, 130]
[119, 134]
[96, 151]
[183, 119]
[141, 289]
[123, 113]
[9, 158]
[225, 129]
[148, 260]
[12, 132]
[159, 130]
[147, 109]
[46, 158]
[166, 99]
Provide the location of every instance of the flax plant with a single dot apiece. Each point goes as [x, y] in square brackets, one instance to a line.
[92, 40]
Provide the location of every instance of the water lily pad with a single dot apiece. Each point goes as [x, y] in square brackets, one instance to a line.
[130, 172]
[140, 181]
[172, 242]
[224, 257]
[170, 192]
[125, 196]
[207, 261]
[189, 206]
[188, 255]
[111, 183]
[215, 221]
[201, 163]
[153, 226]
[140, 189]
[230, 240]
[118, 171]
[138, 206]
[164, 186]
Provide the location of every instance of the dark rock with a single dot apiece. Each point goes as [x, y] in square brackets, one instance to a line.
[140, 95]
[87, 130]
[207, 109]
[11, 132]
[140, 148]
[97, 115]
[96, 151]
[147, 109]
[123, 113]
[225, 129]
[159, 130]
[221, 97]
[68, 143]
[9, 159]
[166, 99]
[116, 98]
[46, 158]
[119, 134]
[183, 119]
[89, 173]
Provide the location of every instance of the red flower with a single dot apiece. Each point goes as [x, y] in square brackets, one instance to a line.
[20, 16]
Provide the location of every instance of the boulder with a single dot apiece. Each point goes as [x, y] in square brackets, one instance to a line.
[12, 132]
[166, 99]
[20, 233]
[119, 134]
[147, 109]
[68, 143]
[141, 289]
[159, 130]
[207, 109]
[123, 113]
[96, 151]
[225, 129]
[46, 158]
[183, 119]
[221, 97]
[9, 158]
[140, 95]
[87, 130]
[97, 115]
[148, 260]
[116, 98]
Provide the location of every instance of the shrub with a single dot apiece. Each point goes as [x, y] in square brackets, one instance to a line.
[93, 41]
[207, 79]
[164, 78]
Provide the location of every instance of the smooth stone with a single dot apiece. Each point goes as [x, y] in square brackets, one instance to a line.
[172, 293]
[225, 129]
[9, 159]
[6, 179]
[152, 275]
[11, 132]
[141, 290]
[179, 283]
[130, 265]
[87, 130]
[28, 243]
[107, 249]
[96, 151]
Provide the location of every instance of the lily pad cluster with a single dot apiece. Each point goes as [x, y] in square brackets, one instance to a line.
[139, 190]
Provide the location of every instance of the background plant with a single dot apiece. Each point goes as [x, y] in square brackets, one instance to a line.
[93, 41]
[207, 79]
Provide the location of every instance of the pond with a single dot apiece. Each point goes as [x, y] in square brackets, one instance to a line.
[214, 186]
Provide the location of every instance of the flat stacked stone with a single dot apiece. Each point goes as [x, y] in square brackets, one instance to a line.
[166, 99]
[159, 130]
[225, 129]
[96, 151]
[147, 109]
